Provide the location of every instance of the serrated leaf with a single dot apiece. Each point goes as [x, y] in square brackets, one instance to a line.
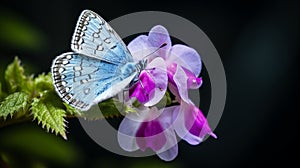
[13, 103]
[43, 82]
[46, 112]
[15, 77]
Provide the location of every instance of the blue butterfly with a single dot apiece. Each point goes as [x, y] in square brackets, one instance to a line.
[99, 68]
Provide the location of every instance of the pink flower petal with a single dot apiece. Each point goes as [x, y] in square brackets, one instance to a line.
[190, 124]
[152, 84]
[199, 125]
[149, 135]
[171, 71]
[170, 149]
[143, 90]
[139, 47]
[126, 134]
[180, 79]
[159, 35]
[186, 57]
[158, 72]
[193, 82]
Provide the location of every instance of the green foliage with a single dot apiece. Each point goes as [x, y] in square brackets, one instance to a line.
[47, 113]
[26, 98]
[13, 103]
[32, 99]
[43, 82]
[15, 77]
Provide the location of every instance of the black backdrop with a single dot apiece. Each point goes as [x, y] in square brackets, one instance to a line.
[258, 44]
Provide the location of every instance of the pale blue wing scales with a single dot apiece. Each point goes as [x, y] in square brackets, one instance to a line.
[83, 81]
[95, 38]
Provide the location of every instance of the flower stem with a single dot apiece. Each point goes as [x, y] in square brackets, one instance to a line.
[14, 121]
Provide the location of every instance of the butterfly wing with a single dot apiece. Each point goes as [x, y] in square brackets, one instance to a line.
[83, 81]
[94, 37]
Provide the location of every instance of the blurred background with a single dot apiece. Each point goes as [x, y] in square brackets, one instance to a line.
[258, 42]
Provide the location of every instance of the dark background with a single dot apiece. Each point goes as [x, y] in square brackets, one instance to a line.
[258, 42]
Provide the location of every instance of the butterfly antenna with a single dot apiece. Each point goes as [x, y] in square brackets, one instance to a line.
[161, 46]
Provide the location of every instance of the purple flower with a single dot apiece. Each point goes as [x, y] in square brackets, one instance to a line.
[150, 128]
[176, 67]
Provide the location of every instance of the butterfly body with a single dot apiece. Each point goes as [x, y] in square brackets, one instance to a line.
[100, 66]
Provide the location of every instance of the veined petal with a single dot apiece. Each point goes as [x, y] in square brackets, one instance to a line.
[126, 134]
[193, 82]
[143, 90]
[129, 127]
[139, 47]
[171, 71]
[159, 35]
[170, 149]
[180, 79]
[150, 135]
[186, 57]
[158, 72]
[200, 126]
[190, 124]
[155, 133]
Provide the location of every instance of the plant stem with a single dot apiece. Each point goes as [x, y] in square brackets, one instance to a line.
[13, 121]
[23, 119]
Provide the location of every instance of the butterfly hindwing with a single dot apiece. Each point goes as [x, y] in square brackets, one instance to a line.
[83, 81]
[94, 37]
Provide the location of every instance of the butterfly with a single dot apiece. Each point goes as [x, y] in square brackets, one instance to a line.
[99, 67]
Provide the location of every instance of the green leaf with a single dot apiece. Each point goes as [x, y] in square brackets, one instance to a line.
[13, 103]
[46, 112]
[15, 77]
[43, 82]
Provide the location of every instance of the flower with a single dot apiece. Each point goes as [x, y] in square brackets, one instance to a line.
[176, 67]
[151, 128]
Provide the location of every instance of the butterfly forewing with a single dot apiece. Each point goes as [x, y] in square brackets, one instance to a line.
[80, 80]
[94, 37]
